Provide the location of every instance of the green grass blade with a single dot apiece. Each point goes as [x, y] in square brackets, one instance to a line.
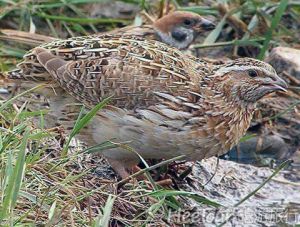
[11, 52]
[61, 4]
[278, 14]
[103, 219]
[81, 122]
[52, 211]
[289, 108]
[8, 172]
[88, 117]
[100, 147]
[277, 170]
[247, 137]
[10, 101]
[212, 37]
[15, 179]
[20, 167]
[202, 10]
[240, 42]
[26, 114]
[196, 197]
[83, 20]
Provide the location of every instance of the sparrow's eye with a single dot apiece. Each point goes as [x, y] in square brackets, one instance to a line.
[188, 22]
[252, 73]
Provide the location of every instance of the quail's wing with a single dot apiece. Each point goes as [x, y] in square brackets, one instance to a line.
[131, 74]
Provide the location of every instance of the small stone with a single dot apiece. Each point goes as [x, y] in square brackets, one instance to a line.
[113, 9]
[256, 149]
[285, 59]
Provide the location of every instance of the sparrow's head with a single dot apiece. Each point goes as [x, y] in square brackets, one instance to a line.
[179, 29]
[247, 80]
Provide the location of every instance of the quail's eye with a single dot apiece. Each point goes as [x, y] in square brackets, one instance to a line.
[188, 22]
[252, 73]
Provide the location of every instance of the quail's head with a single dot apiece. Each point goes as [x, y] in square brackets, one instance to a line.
[248, 80]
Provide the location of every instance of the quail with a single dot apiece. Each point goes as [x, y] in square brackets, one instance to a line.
[164, 103]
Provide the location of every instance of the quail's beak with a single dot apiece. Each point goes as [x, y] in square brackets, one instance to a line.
[277, 84]
[205, 25]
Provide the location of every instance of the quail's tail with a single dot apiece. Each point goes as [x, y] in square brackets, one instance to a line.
[36, 69]
[20, 76]
[15, 74]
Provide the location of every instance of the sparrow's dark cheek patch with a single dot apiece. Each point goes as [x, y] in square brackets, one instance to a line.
[179, 35]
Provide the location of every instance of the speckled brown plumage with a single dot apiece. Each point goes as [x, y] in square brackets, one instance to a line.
[164, 103]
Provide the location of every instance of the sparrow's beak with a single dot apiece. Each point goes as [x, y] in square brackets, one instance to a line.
[205, 25]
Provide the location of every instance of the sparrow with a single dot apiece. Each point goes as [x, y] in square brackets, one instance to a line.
[178, 29]
[163, 102]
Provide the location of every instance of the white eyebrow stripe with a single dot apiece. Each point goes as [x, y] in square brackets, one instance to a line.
[245, 65]
[225, 70]
[239, 68]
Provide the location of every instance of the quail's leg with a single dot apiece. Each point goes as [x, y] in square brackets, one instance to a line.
[119, 167]
[122, 168]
